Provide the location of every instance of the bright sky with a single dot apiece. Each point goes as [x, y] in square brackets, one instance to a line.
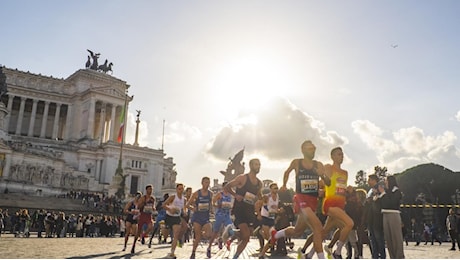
[379, 78]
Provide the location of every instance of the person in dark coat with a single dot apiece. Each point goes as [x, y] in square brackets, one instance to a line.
[374, 219]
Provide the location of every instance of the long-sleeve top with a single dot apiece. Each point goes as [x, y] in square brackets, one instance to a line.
[391, 200]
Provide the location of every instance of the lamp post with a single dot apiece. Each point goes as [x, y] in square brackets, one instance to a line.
[457, 195]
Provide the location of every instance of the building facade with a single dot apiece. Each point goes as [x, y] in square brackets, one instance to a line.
[61, 134]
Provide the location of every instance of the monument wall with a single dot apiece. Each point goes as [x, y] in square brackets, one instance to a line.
[59, 135]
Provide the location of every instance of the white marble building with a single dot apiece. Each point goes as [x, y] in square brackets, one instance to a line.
[61, 134]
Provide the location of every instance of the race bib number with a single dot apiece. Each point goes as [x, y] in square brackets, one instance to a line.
[249, 198]
[203, 206]
[340, 189]
[148, 208]
[226, 205]
[272, 212]
[174, 210]
[307, 186]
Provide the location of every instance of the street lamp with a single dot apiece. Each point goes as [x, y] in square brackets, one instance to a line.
[457, 194]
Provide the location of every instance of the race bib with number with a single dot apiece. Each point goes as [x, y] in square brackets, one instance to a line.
[340, 189]
[272, 212]
[203, 206]
[307, 186]
[249, 198]
[148, 208]
[226, 205]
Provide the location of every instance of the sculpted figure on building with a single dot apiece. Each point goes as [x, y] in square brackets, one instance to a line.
[48, 143]
[46, 176]
[3, 89]
[235, 167]
[106, 67]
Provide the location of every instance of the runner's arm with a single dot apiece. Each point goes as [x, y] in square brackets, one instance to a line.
[325, 172]
[287, 173]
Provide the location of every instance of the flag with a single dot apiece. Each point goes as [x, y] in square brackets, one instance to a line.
[122, 125]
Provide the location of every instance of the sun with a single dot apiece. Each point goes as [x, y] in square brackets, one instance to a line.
[248, 83]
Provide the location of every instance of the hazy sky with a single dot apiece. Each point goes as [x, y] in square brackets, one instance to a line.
[379, 78]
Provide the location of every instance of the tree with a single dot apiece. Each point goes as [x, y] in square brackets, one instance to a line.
[381, 172]
[361, 180]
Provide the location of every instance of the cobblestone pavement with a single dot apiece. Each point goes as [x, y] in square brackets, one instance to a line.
[107, 248]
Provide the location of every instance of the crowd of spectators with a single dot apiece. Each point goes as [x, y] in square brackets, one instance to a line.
[57, 224]
[96, 200]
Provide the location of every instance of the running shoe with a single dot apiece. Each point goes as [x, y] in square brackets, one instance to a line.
[336, 256]
[227, 244]
[124, 248]
[272, 237]
[143, 240]
[180, 243]
[192, 256]
[208, 253]
[328, 251]
[299, 253]
[171, 256]
[219, 242]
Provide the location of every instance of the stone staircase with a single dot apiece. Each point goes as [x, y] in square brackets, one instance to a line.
[14, 201]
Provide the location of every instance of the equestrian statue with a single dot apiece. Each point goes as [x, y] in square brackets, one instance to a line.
[106, 67]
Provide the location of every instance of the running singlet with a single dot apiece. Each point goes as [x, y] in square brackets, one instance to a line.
[203, 203]
[307, 181]
[270, 209]
[149, 205]
[176, 207]
[132, 213]
[224, 204]
[335, 194]
[249, 192]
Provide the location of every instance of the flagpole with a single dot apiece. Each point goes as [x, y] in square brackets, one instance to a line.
[124, 131]
[119, 172]
[163, 136]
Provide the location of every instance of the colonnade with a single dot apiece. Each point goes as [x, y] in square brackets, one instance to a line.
[34, 117]
[104, 119]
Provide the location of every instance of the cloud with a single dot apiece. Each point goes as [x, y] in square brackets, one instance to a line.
[275, 131]
[414, 141]
[177, 132]
[372, 136]
[407, 147]
[457, 116]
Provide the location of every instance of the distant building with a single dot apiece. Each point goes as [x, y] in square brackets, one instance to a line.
[60, 135]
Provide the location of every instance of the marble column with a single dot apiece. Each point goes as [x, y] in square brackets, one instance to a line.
[101, 123]
[9, 108]
[21, 115]
[68, 122]
[57, 114]
[92, 112]
[112, 123]
[32, 118]
[45, 119]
